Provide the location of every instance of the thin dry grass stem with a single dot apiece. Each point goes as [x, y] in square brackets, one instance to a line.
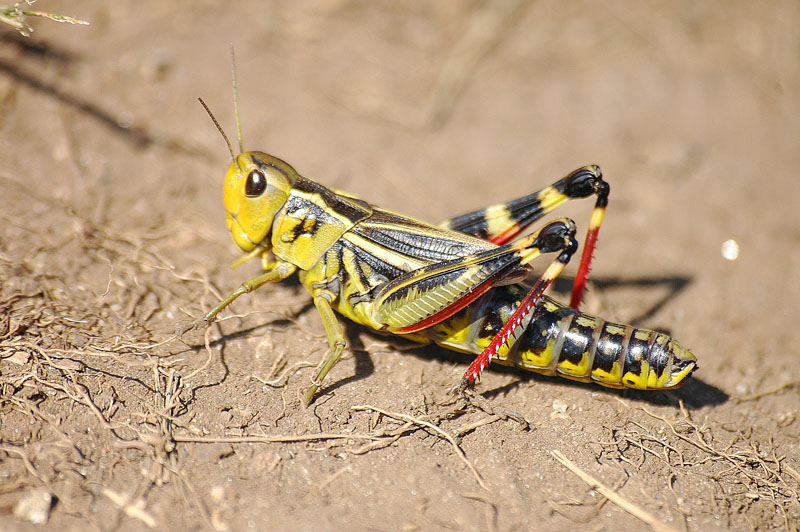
[13, 484]
[269, 312]
[146, 347]
[278, 364]
[210, 356]
[15, 17]
[491, 509]
[481, 403]
[79, 394]
[437, 430]
[208, 288]
[112, 352]
[133, 508]
[69, 386]
[282, 413]
[594, 507]
[18, 451]
[793, 473]
[110, 277]
[469, 427]
[29, 409]
[282, 380]
[612, 496]
[386, 437]
[26, 315]
[331, 478]
[287, 438]
[638, 438]
[167, 386]
[759, 395]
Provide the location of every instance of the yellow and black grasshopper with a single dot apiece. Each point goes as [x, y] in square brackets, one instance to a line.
[460, 284]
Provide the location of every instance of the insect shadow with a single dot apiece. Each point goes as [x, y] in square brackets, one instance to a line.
[674, 285]
[137, 135]
[37, 52]
[33, 48]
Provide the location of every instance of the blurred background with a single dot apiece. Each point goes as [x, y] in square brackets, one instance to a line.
[111, 172]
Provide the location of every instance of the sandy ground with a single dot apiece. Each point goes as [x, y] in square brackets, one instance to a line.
[112, 236]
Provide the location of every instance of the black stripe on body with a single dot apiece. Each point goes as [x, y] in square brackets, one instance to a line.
[308, 227]
[313, 216]
[378, 266]
[636, 357]
[352, 209]
[264, 163]
[493, 310]
[419, 246]
[357, 278]
[404, 236]
[608, 355]
[348, 267]
[539, 346]
[659, 354]
[383, 217]
[577, 341]
[411, 292]
[580, 342]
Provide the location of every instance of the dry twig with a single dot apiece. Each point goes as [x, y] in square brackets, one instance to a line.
[612, 496]
[437, 430]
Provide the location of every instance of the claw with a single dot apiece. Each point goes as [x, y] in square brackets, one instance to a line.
[203, 323]
[308, 397]
[460, 389]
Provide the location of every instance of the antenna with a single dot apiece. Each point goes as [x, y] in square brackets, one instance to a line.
[219, 127]
[236, 101]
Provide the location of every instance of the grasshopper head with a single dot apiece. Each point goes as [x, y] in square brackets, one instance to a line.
[256, 187]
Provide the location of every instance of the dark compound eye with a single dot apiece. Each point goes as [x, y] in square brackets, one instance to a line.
[256, 183]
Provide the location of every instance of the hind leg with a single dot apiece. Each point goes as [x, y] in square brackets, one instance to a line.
[502, 222]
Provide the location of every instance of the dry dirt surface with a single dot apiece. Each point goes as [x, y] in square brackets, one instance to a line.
[112, 237]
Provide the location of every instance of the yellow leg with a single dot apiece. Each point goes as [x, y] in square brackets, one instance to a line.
[336, 340]
[280, 271]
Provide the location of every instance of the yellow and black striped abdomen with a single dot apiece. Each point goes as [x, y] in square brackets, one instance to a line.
[558, 340]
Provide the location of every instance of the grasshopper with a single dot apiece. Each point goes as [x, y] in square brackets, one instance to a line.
[460, 284]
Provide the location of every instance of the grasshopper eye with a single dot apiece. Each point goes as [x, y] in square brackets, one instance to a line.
[256, 184]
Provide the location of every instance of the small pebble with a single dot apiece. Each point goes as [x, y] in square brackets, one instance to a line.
[19, 358]
[559, 406]
[34, 507]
